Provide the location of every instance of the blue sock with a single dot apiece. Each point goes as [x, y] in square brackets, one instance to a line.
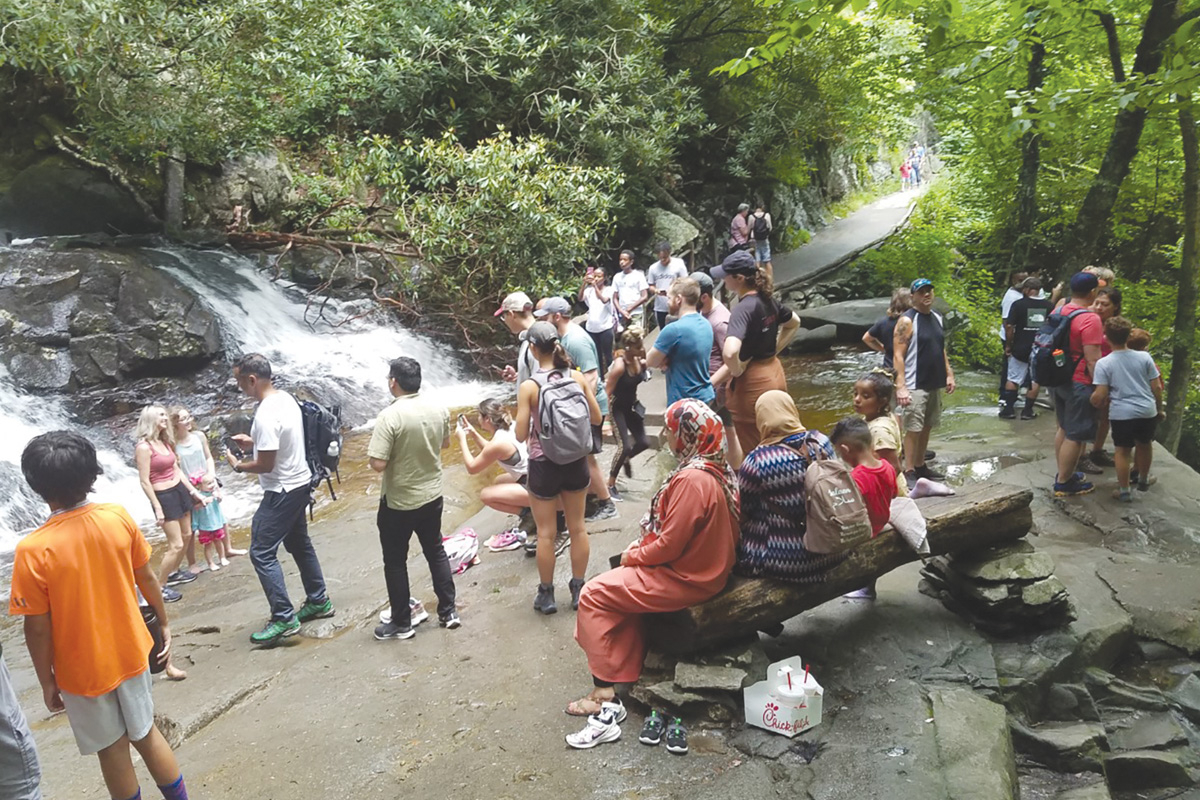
[175, 791]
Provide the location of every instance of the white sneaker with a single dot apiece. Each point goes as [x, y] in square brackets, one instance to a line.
[415, 608]
[596, 731]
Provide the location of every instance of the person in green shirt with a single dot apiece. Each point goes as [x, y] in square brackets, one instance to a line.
[406, 447]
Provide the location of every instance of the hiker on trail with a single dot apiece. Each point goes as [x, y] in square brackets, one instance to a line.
[760, 234]
[75, 581]
[196, 461]
[1024, 319]
[1011, 295]
[169, 492]
[739, 229]
[759, 328]
[684, 557]
[717, 314]
[1060, 294]
[632, 290]
[683, 347]
[20, 771]
[905, 176]
[582, 352]
[276, 444]
[875, 479]
[507, 493]
[1073, 408]
[601, 319]
[1106, 305]
[516, 312]
[663, 273]
[922, 372]
[550, 480]
[773, 496]
[880, 337]
[628, 372]
[406, 449]
[1128, 381]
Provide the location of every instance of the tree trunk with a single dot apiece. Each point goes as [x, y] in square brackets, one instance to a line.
[1091, 222]
[173, 178]
[1031, 162]
[1184, 337]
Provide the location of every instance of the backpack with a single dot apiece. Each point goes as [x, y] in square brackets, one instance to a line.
[1050, 358]
[837, 518]
[462, 550]
[564, 423]
[762, 229]
[322, 444]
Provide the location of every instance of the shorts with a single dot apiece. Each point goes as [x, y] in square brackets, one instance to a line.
[98, 722]
[176, 502]
[1074, 411]
[208, 537]
[548, 480]
[762, 251]
[924, 412]
[1131, 432]
[1018, 371]
[597, 439]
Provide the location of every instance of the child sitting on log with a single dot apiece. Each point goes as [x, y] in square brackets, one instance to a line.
[873, 399]
[875, 478]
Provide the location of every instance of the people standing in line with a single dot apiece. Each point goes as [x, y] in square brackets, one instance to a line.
[1011, 295]
[1105, 278]
[1073, 408]
[276, 444]
[582, 352]
[170, 493]
[628, 372]
[406, 449]
[759, 328]
[632, 290]
[760, 234]
[1107, 305]
[683, 347]
[717, 315]
[601, 319]
[1129, 383]
[880, 337]
[507, 493]
[20, 770]
[75, 581]
[196, 460]
[663, 273]
[551, 483]
[739, 229]
[1024, 319]
[923, 371]
[516, 312]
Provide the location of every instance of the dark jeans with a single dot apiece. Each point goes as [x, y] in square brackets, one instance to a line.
[604, 346]
[395, 531]
[280, 520]
[631, 428]
[661, 318]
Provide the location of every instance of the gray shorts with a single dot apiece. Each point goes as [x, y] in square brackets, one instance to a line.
[1074, 410]
[924, 412]
[98, 722]
[20, 774]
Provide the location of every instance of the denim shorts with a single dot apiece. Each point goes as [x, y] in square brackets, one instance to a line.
[1074, 411]
[762, 251]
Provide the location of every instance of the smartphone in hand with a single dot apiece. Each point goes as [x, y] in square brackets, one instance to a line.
[234, 449]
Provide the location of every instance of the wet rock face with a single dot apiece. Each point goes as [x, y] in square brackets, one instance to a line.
[55, 197]
[75, 319]
[258, 182]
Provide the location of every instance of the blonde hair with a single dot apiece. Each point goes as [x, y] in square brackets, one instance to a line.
[174, 412]
[147, 427]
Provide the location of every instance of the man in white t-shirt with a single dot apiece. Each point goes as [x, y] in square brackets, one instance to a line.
[277, 440]
[662, 274]
[1012, 295]
[631, 289]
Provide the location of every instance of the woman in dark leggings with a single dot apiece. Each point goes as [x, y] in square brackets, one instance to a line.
[627, 373]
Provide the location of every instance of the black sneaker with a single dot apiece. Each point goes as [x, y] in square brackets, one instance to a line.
[1007, 413]
[930, 455]
[615, 495]
[170, 595]
[181, 576]
[576, 586]
[543, 601]
[924, 471]
[390, 630]
[652, 731]
[450, 621]
[677, 738]
[604, 510]
[1027, 415]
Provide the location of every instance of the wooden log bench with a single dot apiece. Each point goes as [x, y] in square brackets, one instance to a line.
[977, 517]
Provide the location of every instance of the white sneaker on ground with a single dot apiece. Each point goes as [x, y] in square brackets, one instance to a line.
[415, 609]
[600, 728]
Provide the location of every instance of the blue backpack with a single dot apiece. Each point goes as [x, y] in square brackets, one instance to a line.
[1050, 358]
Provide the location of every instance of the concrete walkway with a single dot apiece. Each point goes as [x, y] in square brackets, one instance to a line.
[844, 239]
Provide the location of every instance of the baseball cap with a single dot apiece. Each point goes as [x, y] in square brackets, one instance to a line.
[920, 283]
[739, 262]
[517, 301]
[553, 305]
[702, 278]
[541, 333]
[1084, 282]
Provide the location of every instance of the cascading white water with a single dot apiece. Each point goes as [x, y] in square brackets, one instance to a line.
[342, 365]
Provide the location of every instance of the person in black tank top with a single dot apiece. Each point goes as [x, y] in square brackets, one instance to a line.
[922, 371]
[627, 373]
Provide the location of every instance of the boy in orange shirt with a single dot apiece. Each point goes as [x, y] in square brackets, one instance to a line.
[876, 479]
[73, 581]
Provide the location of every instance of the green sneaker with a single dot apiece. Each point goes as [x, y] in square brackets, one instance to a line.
[275, 631]
[311, 610]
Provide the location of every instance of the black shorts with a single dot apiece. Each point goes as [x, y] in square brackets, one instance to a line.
[548, 480]
[1074, 410]
[176, 502]
[597, 439]
[1132, 432]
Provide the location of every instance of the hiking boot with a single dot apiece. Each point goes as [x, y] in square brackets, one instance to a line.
[1101, 459]
[1122, 495]
[576, 585]
[276, 630]
[653, 730]
[605, 509]
[170, 595]
[311, 610]
[1073, 487]
[595, 732]
[390, 630]
[1085, 465]
[924, 471]
[615, 495]
[561, 542]
[1007, 413]
[677, 738]
[544, 600]
[181, 576]
[450, 621]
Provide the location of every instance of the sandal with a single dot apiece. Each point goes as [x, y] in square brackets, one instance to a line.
[590, 706]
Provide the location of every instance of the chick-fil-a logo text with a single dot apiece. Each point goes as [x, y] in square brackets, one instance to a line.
[771, 720]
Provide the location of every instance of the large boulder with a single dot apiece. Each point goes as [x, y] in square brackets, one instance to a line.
[668, 226]
[80, 318]
[55, 197]
[975, 746]
[261, 183]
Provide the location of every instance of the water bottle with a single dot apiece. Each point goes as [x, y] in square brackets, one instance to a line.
[1060, 358]
[334, 450]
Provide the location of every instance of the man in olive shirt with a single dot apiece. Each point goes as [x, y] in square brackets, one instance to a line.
[406, 447]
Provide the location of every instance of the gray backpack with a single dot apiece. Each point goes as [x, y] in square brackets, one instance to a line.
[564, 421]
[836, 518]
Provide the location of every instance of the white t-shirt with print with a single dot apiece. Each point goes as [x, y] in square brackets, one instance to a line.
[629, 287]
[279, 426]
[662, 278]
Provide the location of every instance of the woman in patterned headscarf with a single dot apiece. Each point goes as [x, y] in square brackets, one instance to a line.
[684, 557]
